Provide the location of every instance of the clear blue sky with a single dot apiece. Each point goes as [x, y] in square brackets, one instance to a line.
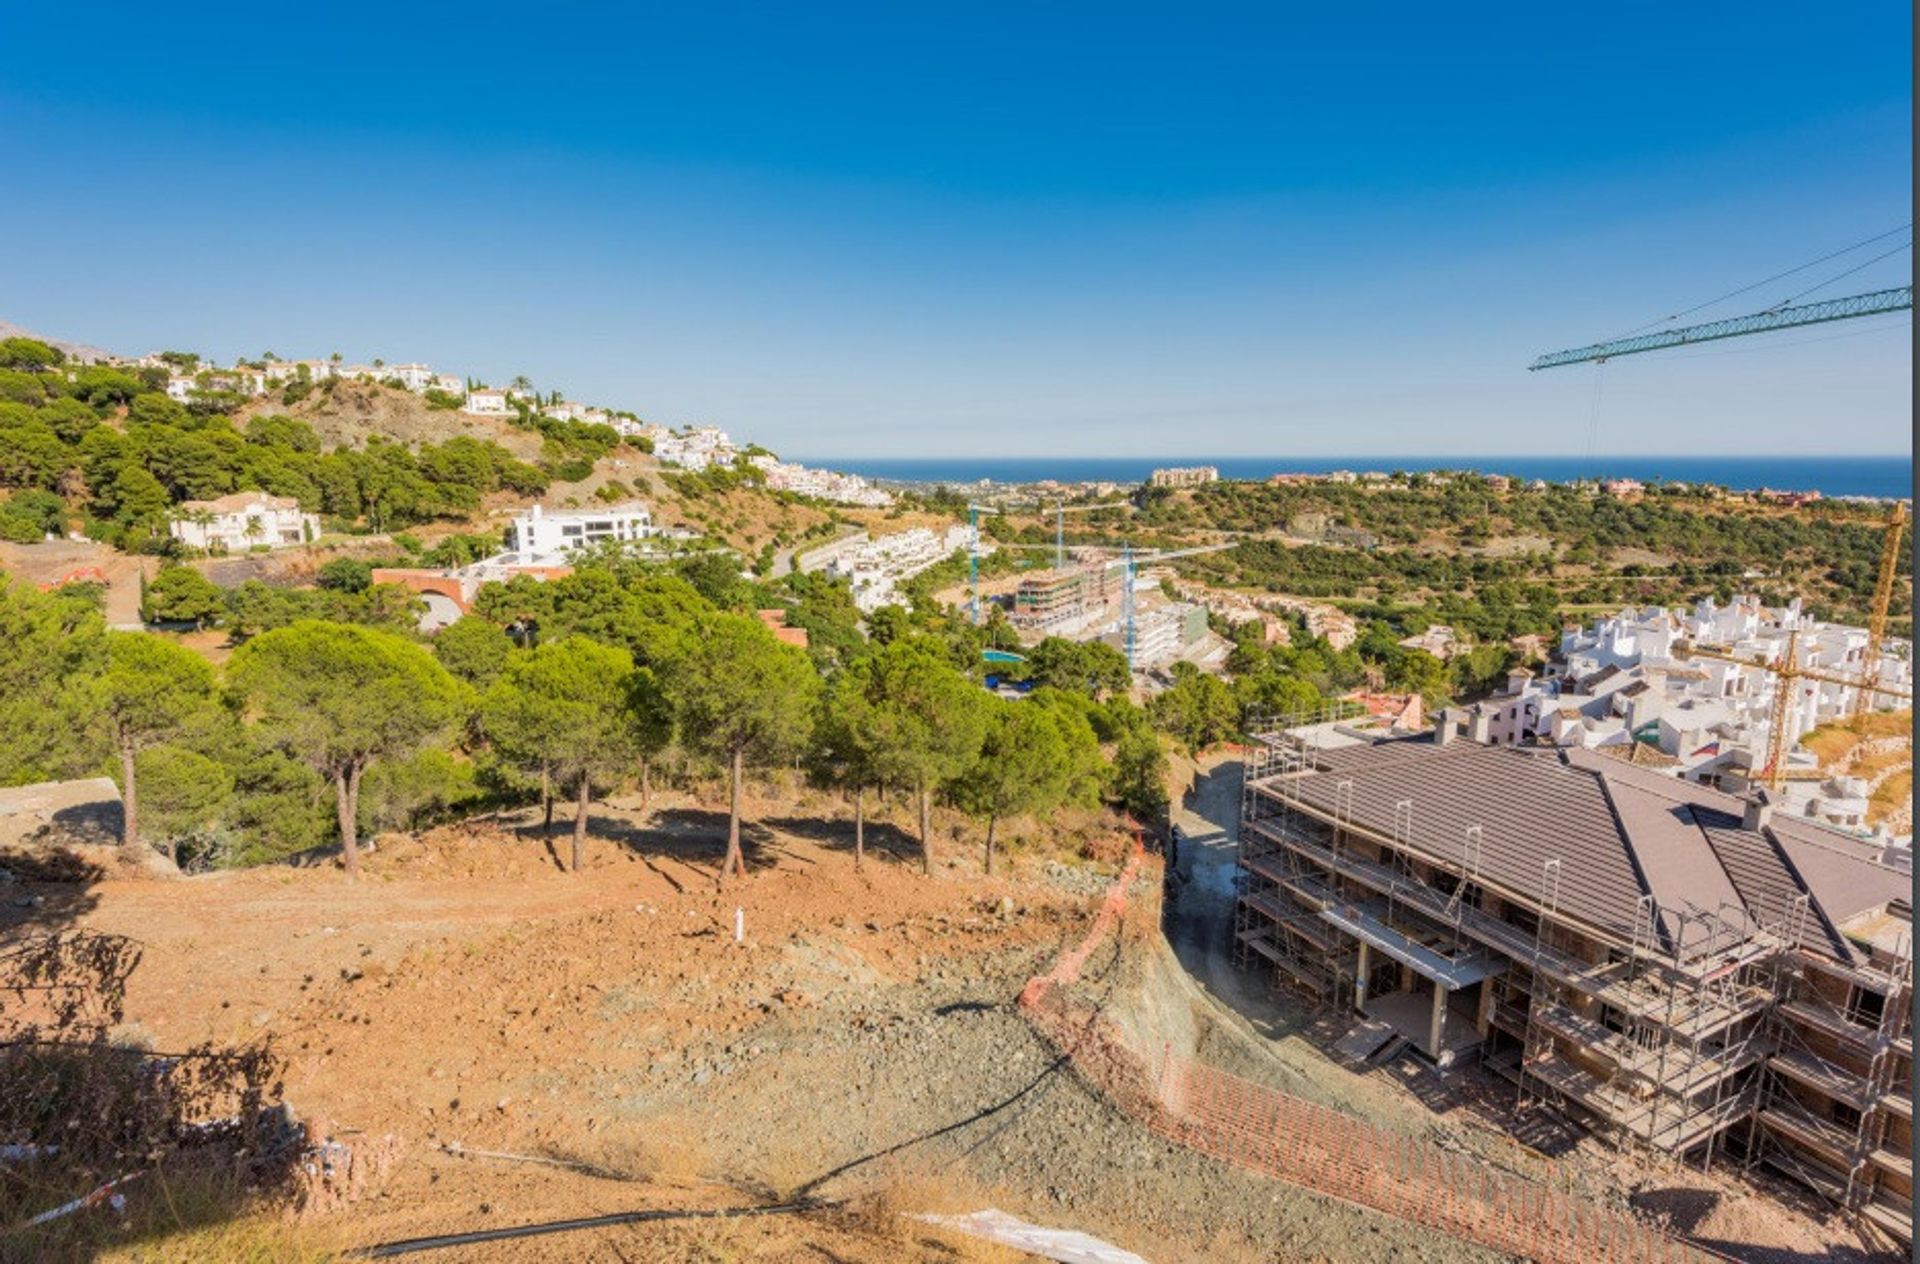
[1033, 228]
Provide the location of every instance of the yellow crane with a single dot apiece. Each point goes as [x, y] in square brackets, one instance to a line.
[1882, 597]
[1786, 673]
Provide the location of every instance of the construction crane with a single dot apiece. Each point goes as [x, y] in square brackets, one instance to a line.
[1785, 672]
[1878, 303]
[1128, 561]
[1882, 598]
[1060, 512]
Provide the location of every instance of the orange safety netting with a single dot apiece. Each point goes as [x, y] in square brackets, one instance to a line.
[1262, 1129]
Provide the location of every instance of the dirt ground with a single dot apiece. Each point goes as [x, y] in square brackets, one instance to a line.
[858, 1044]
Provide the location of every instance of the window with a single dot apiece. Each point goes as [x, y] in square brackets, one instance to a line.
[1865, 1007]
[570, 533]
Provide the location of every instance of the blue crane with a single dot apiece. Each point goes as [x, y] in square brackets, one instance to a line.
[1878, 303]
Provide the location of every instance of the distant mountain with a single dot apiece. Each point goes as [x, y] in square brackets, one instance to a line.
[74, 350]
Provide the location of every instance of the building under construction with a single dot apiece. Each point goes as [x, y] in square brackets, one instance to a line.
[1674, 967]
[1066, 597]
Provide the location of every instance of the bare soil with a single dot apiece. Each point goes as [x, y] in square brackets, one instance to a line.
[859, 1044]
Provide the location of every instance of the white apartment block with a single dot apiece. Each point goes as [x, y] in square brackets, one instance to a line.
[875, 567]
[243, 520]
[538, 533]
[1184, 476]
[1626, 683]
[696, 448]
[828, 485]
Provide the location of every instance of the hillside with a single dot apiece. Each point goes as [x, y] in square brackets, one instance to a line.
[743, 516]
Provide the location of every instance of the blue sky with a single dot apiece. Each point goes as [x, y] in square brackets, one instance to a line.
[1024, 229]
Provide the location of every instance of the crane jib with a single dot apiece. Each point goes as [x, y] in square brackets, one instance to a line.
[1878, 303]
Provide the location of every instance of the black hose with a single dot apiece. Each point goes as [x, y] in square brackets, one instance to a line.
[408, 1246]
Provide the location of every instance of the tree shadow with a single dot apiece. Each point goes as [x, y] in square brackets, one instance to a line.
[883, 839]
[695, 839]
[192, 1135]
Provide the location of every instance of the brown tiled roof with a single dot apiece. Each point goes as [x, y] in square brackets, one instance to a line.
[1619, 831]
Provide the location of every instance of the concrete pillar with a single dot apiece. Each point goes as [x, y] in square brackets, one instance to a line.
[1360, 976]
[1439, 1020]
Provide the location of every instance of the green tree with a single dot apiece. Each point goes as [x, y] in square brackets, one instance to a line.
[183, 791]
[844, 752]
[345, 574]
[473, 649]
[338, 696]
[741, 695]
[149, 690]
[1198, 709]
[399, 793]
[926, 724]
[181, 594]
[50, 645]
[1093, 668]
[29, 353]
[1139, 762]
[566, 707]
[1023, 767]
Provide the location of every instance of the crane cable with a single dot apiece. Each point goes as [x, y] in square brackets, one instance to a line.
[1849, 272]
[1778, 276]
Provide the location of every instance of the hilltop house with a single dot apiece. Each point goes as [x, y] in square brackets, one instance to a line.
[243, 520]
[486, 403]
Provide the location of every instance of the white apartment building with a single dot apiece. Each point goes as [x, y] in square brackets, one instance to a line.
[696, 448]
[449, 383]
[243, 520]
[539, 533]
[828, 485]
[1184, 476]
[486, 403]
[1161, 634]
[875, 567]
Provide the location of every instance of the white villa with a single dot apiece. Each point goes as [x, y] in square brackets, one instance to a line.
[538, 533]
[244, 520]
[486, 403]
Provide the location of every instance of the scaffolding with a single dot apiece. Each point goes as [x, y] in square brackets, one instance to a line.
[1835, 1112]
[1277, 923]
[1669, 1038]
[1663, 1049]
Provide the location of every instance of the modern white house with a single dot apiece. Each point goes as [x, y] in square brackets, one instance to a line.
[538, 533]
[243, 520]
[486, 403]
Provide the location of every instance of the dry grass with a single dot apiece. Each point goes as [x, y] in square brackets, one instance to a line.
[177, 1218]
[1894, 793]
[264, 1238]
[1831, 743]
[885, 1209]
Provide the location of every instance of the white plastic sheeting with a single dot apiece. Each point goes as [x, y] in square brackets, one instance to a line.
[1068, 1246]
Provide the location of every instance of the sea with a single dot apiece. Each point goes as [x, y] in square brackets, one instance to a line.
[1876, 477]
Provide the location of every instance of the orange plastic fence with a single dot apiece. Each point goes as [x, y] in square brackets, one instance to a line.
[1262, 1129]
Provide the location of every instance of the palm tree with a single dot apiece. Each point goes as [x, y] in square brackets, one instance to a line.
[522, 384]
[255, 528]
